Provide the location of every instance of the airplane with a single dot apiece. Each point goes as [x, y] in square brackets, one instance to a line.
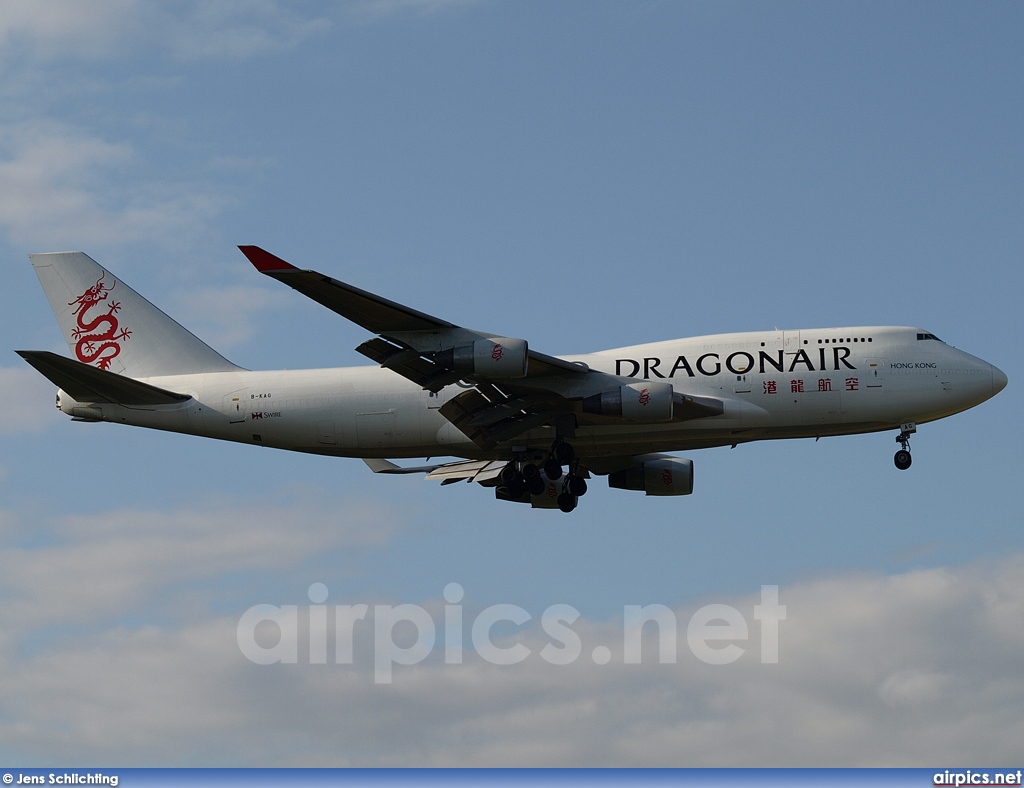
[533, 427]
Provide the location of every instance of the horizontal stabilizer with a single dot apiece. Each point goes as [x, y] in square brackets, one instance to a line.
[91, 384]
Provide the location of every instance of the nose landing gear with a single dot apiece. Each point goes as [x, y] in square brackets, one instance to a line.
[902, 458]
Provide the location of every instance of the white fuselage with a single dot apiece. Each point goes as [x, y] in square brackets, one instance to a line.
[775, 384]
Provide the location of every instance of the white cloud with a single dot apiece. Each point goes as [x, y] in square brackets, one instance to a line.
[237, 29]
[382, 9]
[60, 188]
[915, 669]
[188, 31]
[28, 400]
[227, 316]
[164, 694]
[913, 687]
[66, 27]
[117, 562]
[204, 29]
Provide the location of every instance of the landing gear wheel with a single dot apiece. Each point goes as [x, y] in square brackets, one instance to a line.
[509, 472]
[564, 453]
[566, 502]
[535, 485]
[576, 485]
[902, 459]
[553, 470]
[530, 471]
[516, 487]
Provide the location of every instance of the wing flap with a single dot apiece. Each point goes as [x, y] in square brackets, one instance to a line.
[481, 471]
[386, 466]
[470, 470]
[409, 364]
[91, 384]
[495, 418]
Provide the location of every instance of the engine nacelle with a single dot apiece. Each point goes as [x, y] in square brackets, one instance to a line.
[646, 401]
[666, 476]
[500, 358]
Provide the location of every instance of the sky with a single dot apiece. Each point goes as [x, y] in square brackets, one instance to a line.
[584, 175]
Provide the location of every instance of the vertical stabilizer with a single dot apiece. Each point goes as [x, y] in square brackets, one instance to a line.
[108, 325]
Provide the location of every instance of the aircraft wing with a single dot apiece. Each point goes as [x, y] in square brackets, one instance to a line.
[390, 320]
[372, 312]
[481, 471]
[516, 389]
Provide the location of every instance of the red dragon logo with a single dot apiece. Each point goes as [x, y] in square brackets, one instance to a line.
[645, 396]
[666, 477]
[497, 352]
[97, 335]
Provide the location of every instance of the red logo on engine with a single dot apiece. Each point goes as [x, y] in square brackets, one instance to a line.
[666, 477]
[645, 396]
[97, 336]
[497, 352]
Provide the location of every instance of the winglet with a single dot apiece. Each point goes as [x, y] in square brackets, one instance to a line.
[264, 261]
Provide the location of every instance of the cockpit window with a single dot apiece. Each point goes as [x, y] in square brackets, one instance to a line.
[929, 336]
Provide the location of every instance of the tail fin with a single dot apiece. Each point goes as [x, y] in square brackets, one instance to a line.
[108, 325]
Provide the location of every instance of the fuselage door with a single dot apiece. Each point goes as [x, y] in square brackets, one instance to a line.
[325, 432]
[234, 406]
[875, 373]
[375, 429]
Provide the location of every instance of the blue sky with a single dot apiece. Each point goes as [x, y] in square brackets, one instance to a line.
[585, 175]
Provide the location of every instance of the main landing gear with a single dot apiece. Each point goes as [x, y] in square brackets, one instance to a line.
[520, 478]
[902, 458]
[573, 486]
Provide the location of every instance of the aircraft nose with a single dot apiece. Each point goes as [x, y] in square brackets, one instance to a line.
[998, 380]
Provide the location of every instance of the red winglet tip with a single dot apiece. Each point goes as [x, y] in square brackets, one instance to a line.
[264, 261]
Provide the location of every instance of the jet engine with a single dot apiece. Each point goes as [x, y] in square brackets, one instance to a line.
[646, 401]
[500, 358]
[664, 476]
